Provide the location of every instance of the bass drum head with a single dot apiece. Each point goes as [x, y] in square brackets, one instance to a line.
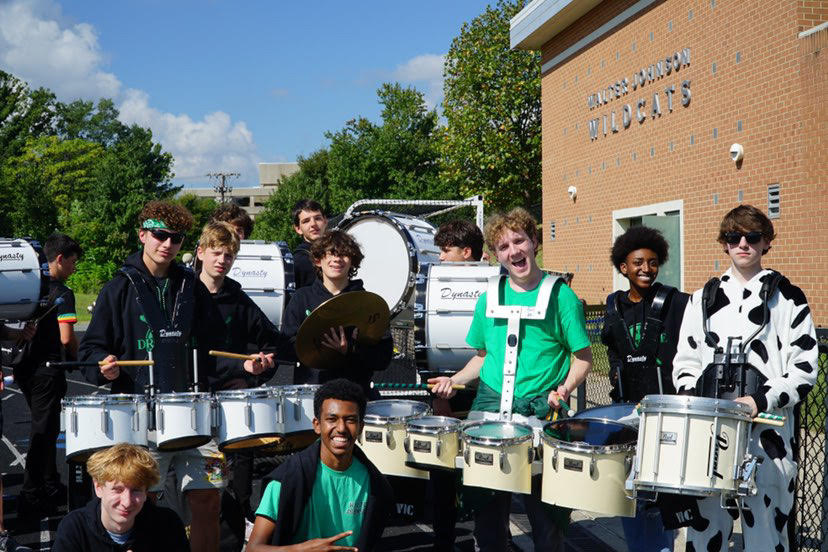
[23, 282]
[265, 272]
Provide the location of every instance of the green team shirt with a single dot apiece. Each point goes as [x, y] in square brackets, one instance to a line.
[544, 346]
[337, 504]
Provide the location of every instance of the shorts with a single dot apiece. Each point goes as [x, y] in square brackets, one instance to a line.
[200, 468]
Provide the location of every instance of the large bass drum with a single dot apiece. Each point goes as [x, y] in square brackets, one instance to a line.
[394, 247]
[24, 278]
[446, 295]
[265, 272]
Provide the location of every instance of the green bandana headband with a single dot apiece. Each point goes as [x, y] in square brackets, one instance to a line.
[152, 224]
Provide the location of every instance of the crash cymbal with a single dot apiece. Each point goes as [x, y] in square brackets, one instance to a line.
[363, 310]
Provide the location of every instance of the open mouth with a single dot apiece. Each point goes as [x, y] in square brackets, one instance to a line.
[520, 263]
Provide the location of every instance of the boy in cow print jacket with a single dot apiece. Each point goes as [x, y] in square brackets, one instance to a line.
[784, 352]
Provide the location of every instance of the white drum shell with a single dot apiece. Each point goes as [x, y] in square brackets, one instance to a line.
[247, 414]
[182, 417]
[296, 407]
[430, 448]
[501, 464]
[20, 279]
[384, 445]
[591, 481]
[94, 422]
[265, 272]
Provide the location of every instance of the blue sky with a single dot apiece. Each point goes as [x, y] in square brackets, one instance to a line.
[227, 84]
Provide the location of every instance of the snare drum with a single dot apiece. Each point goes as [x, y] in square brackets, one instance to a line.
[586, 464]
[498, 455]
[95, 422]
[394, 246]
[692, 445]
[182, 420]
[265, 272]
[24, 278]
[296, 405]
[446, 294]
[248, 418]
[384, 435]
[432, 441]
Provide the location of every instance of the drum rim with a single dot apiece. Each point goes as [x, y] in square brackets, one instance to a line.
[252, 392]
[95, 400]
[451, 425]
[172, 398]
[293, 390]
[377, 419]
[691, 404]
[583, 413]
[494, 441]
[586, 447]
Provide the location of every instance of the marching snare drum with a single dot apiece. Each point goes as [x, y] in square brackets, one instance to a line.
[24, 278]
[95, 422]
[433, 441]
[182, 420]
[248, 418]
[498, 455]
[586, 463]
[265, 272]
[693, 445]
[296, 405]
[383, 437]
[446, 294]
[394, 246]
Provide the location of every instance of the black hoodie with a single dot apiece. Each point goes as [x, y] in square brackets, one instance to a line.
[304, 272]
[155, 529]
[361, 361]
[120, 327]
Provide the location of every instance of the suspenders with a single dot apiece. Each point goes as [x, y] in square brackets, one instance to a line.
[513, 315]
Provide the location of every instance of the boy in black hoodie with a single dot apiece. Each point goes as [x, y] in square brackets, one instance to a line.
[153, 304]
[309, 221]
[336, 257]
[120, 517]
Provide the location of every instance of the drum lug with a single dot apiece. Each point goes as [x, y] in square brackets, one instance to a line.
[531, 455]
[161, 420]
[73, 421]
[136, 419]
[297, 411]
[248, 413]
[555, 460]
[628, 461]
[104, 418]
[388, 441]
[592, 467]
[502, 461]
[438, 448]
[407, 445]
[193, 417]
[466, 455]
[359, 437]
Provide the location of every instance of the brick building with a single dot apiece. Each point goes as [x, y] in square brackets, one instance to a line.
[642, 101]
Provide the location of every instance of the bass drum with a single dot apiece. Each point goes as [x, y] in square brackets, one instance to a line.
[394, 246]
[444, 302]
[24, 278]
[265, 272]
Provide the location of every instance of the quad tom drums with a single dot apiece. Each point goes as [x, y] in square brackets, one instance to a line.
[265, 272]
[24, 278]
[384, 436]
[182, 420]
[394, 246]
[695, 446]
[586, 463]
[498, 455]
[433, 441]
[248, 418]
[95, 422]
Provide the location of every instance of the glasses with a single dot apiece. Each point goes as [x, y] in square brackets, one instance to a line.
[162, 236]
[735, 238]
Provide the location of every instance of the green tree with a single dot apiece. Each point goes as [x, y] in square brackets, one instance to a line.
[201, 208]
[492, 106]
[82, 119]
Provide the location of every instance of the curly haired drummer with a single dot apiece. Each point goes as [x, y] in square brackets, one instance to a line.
[543, 376]
[774, 329]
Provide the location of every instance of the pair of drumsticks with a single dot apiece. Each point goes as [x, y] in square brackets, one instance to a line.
[74, 363]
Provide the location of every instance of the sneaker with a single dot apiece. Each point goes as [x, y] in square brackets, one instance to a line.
[8, 544]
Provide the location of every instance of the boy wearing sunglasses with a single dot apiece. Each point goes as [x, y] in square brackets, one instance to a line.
[774, 329]
[155, 305]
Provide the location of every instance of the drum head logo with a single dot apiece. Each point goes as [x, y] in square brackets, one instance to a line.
[467, 295]
[722, 441]
[16, 256]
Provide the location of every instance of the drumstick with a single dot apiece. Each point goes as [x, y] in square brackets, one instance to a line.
[411, 385]
[562, 404]
[83, 363]
[766, 421]
[237, 356]
[769, 416]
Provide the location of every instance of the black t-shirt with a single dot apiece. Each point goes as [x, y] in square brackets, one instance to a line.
[46, 345]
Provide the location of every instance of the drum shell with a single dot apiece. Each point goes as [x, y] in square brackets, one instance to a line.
[182, 420]
[265, 272]
[24, 278]
[95, 422]
[248, 418]
[433, 448]
[677, 449]
[383, 436]
[296, 405]
[483, 467]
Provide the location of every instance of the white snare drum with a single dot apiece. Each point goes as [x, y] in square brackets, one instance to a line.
[693, 445]
[94, 422]
[433, 441]
[586, 464]
[24, 278]
[444, 303]
[296, 406]
[182, 420]
[498, 455]
[265, 272]
[394, 246]
[248, 418]
[383, 437]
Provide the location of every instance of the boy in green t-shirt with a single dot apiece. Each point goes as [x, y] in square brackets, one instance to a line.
[544, 372]
[330, 494]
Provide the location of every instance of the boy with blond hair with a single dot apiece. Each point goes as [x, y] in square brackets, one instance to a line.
[120, 517]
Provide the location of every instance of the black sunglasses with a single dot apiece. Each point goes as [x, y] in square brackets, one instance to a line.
[162, 236]
[734, 238]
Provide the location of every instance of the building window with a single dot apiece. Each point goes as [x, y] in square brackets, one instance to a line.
[242, 201]
[552, 230]
[773, 201]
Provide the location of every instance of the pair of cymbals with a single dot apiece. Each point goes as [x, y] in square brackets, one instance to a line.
[361, 310]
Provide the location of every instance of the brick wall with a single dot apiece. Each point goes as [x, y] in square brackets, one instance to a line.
[752, 80]
[811, 13]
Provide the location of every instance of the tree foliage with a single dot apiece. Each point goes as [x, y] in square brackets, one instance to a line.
[492, 106]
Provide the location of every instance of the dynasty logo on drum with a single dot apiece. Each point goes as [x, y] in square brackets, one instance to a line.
[465, 295]
[720, 443]
[241, 273]
[16, 256]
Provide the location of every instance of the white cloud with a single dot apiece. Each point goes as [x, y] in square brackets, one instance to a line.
[40, 47]
[424, 70]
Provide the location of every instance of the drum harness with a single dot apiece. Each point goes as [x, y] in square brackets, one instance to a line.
[513, 315]
[646, 352]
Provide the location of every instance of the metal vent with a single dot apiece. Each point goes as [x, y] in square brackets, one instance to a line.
[773, 201]
[552, 230]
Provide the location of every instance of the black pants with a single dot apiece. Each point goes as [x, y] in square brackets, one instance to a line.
[43, 394]
[444, 494]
